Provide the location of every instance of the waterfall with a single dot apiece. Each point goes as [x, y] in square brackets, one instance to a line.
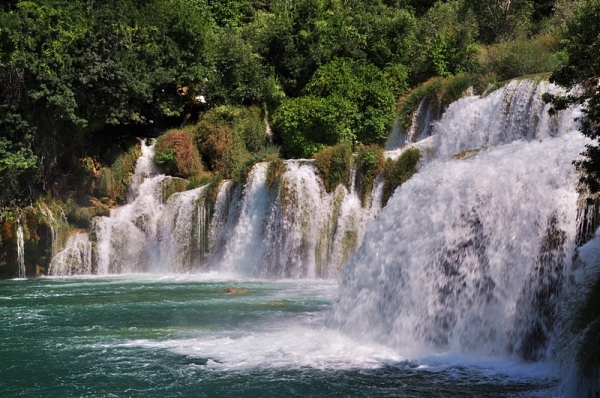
[21, 251]
[127, 238]
[294, 229]
[472, 254]
[75, 258]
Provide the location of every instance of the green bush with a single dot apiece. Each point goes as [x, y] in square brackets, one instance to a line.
[112, 180]
[365, 87]
[333, 164]
[369, 163]
[165, 160]
[345, 100]
[396, 173]
[307, 125]
[176, 154]
[227, 136]
[267, 154]
[540, 54]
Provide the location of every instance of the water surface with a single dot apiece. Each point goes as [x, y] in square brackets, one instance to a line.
[184, 335]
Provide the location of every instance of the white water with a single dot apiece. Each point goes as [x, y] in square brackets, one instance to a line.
[471, 256]
[293, 230]
[21, 251]
[470, 259]
[75, 258]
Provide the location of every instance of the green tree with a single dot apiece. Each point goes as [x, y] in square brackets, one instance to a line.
[501, 20]
[69, 69]
[345, 101]
[447, 33]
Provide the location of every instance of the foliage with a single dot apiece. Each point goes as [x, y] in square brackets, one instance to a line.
[68, 69]
[396, 173]
[308, 124]
[169, 186]
[369, 163]
[365, 87]
[333, 164]
[111, 181]
[501, 20]
[79, 77]
[522, 57]
[448, 35]
[241, 77]
[227, 136]
[296, 38]
[345, 101]
[267, 154]
[177, 154]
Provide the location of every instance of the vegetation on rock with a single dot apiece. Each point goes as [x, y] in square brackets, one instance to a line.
[396, 173]
[177, 154]
[333, 164]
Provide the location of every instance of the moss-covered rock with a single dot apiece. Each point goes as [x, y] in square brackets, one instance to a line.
[396, 173]
[333, 164]
[177, 154]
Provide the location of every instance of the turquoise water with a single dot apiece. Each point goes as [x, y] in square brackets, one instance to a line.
[167, 336]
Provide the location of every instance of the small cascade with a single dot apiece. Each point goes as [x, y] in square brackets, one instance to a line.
[75, 258]
[144, 168]
[421, 125]
[244, 250]
[21, 251]
[514, 112]
[472, 255]
[126, 240]
[294, 229]
[183, 231]
[53, 225]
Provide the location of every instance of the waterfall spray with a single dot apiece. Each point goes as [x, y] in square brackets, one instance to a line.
[471, 255]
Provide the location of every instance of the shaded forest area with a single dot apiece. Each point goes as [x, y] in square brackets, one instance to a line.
[81, 79]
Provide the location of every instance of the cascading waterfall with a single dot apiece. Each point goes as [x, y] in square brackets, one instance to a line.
[127, 239]
[21, 251]
[294, 229]
[471, 255]
[75, 259]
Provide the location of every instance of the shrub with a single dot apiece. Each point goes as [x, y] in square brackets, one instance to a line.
[508, 60]
[369, 163]
[176, 154]
[112, 180]
[309, 124]
[333, 164]
[267, 154]
[396, 173]
[345, 100]
[227, 136]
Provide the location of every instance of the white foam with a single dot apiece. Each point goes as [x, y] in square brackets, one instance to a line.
[292, 347]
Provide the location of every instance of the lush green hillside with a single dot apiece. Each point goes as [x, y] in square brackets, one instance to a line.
[81, 78]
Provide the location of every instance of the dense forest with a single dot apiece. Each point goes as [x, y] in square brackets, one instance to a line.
[81, 79]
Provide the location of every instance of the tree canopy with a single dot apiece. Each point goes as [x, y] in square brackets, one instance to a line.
[79, 76]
